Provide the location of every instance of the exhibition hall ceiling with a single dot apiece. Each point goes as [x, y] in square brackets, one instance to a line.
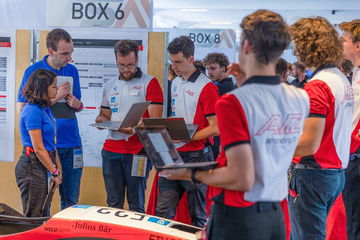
[228, 13]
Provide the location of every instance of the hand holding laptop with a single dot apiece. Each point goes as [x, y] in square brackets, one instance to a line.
[176, 174]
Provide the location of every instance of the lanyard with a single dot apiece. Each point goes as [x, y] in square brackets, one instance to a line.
[53, 122]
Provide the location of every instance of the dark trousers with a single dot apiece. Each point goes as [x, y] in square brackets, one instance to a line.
[261, 221]
[117, 178]
[32, 180]
[69, 189]
[171, 191]
[313, 192]
[351, 196]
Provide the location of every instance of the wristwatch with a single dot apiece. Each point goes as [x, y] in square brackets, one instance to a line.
[55, 173]
[193, 178]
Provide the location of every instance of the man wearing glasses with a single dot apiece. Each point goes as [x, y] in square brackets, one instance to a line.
[122, 151]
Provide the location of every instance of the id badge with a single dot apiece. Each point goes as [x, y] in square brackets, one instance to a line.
[78, 161]
[139, 164]
[134, 92]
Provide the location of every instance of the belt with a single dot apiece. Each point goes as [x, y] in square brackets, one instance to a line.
[194, 153]
[354, 156]
[256, 207]
[307, 167]
[28, 151]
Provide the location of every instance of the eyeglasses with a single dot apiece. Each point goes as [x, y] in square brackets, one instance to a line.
[128, 66]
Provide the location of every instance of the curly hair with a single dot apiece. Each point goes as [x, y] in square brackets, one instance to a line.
[267, 33]
[353, 28]
[316, 42]
[218, 58]
[36, 87]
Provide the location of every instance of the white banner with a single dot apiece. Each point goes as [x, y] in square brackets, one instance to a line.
[100, 13]
[209, 40]
[95, 60]
[7, 95]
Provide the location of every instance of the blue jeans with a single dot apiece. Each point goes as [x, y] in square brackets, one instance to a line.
[70, 187]
[117, 177]
[314, 192]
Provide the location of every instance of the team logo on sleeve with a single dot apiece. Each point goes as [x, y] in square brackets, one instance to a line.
[276, 126]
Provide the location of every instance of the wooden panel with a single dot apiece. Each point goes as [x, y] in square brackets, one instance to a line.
[9, 192]
[156, 55]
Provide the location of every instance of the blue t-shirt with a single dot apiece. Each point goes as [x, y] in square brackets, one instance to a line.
[32, 117]
[68, 131]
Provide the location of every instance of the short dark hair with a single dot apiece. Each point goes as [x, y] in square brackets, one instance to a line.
[218, 58]
[125, 47]
[55, 36]
[347, 66]
[182, 44]
[299, 66]
[199, 66]
[281, 66]
[36, 87]
[267, 33]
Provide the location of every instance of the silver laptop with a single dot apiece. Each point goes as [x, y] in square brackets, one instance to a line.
[177, 127]
[131, 119]
[162, 152]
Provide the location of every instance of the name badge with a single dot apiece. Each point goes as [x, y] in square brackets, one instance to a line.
[139, 164]
[78, 161]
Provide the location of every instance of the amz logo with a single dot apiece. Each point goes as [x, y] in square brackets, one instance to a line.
[291, 125]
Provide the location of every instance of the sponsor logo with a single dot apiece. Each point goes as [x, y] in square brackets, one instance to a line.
[137, 87]
[191, 93]
[159, 221]
[275, 125]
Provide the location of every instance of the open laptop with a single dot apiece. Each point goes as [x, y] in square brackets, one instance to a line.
[162, 152]
[131, 119]
[176, 127]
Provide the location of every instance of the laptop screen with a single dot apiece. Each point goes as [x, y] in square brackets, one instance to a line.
[158, 146]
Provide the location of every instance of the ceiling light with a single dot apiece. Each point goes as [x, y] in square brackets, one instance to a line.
[221, 23]
[193, 10]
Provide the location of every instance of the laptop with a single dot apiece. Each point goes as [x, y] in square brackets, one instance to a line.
[131, 119]
[162, 152]
[176, 127]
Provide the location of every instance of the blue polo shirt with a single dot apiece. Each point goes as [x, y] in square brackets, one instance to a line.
[32, 117]
[68, 135]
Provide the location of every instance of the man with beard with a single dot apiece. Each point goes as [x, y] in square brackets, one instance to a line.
[122, 149]
[298, 70]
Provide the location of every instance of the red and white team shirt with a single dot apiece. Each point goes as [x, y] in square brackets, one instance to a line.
[269, 116]
[118, 96]
[194, 100]
[355, 142]
[331, 97]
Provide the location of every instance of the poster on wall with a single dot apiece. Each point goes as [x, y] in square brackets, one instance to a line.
[209, 40]
[7, 90]
[95, 60]
[103, 13]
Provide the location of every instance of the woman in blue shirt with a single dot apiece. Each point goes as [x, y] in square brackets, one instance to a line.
[38, 133]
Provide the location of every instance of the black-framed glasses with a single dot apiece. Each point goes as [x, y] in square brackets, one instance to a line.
[128, 66]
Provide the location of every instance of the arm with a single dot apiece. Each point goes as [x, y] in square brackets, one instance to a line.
[209, 131]
[19, 106]
[104, 115]
[42, 153]
[238, 174]
[155, 110]
[310, 140]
